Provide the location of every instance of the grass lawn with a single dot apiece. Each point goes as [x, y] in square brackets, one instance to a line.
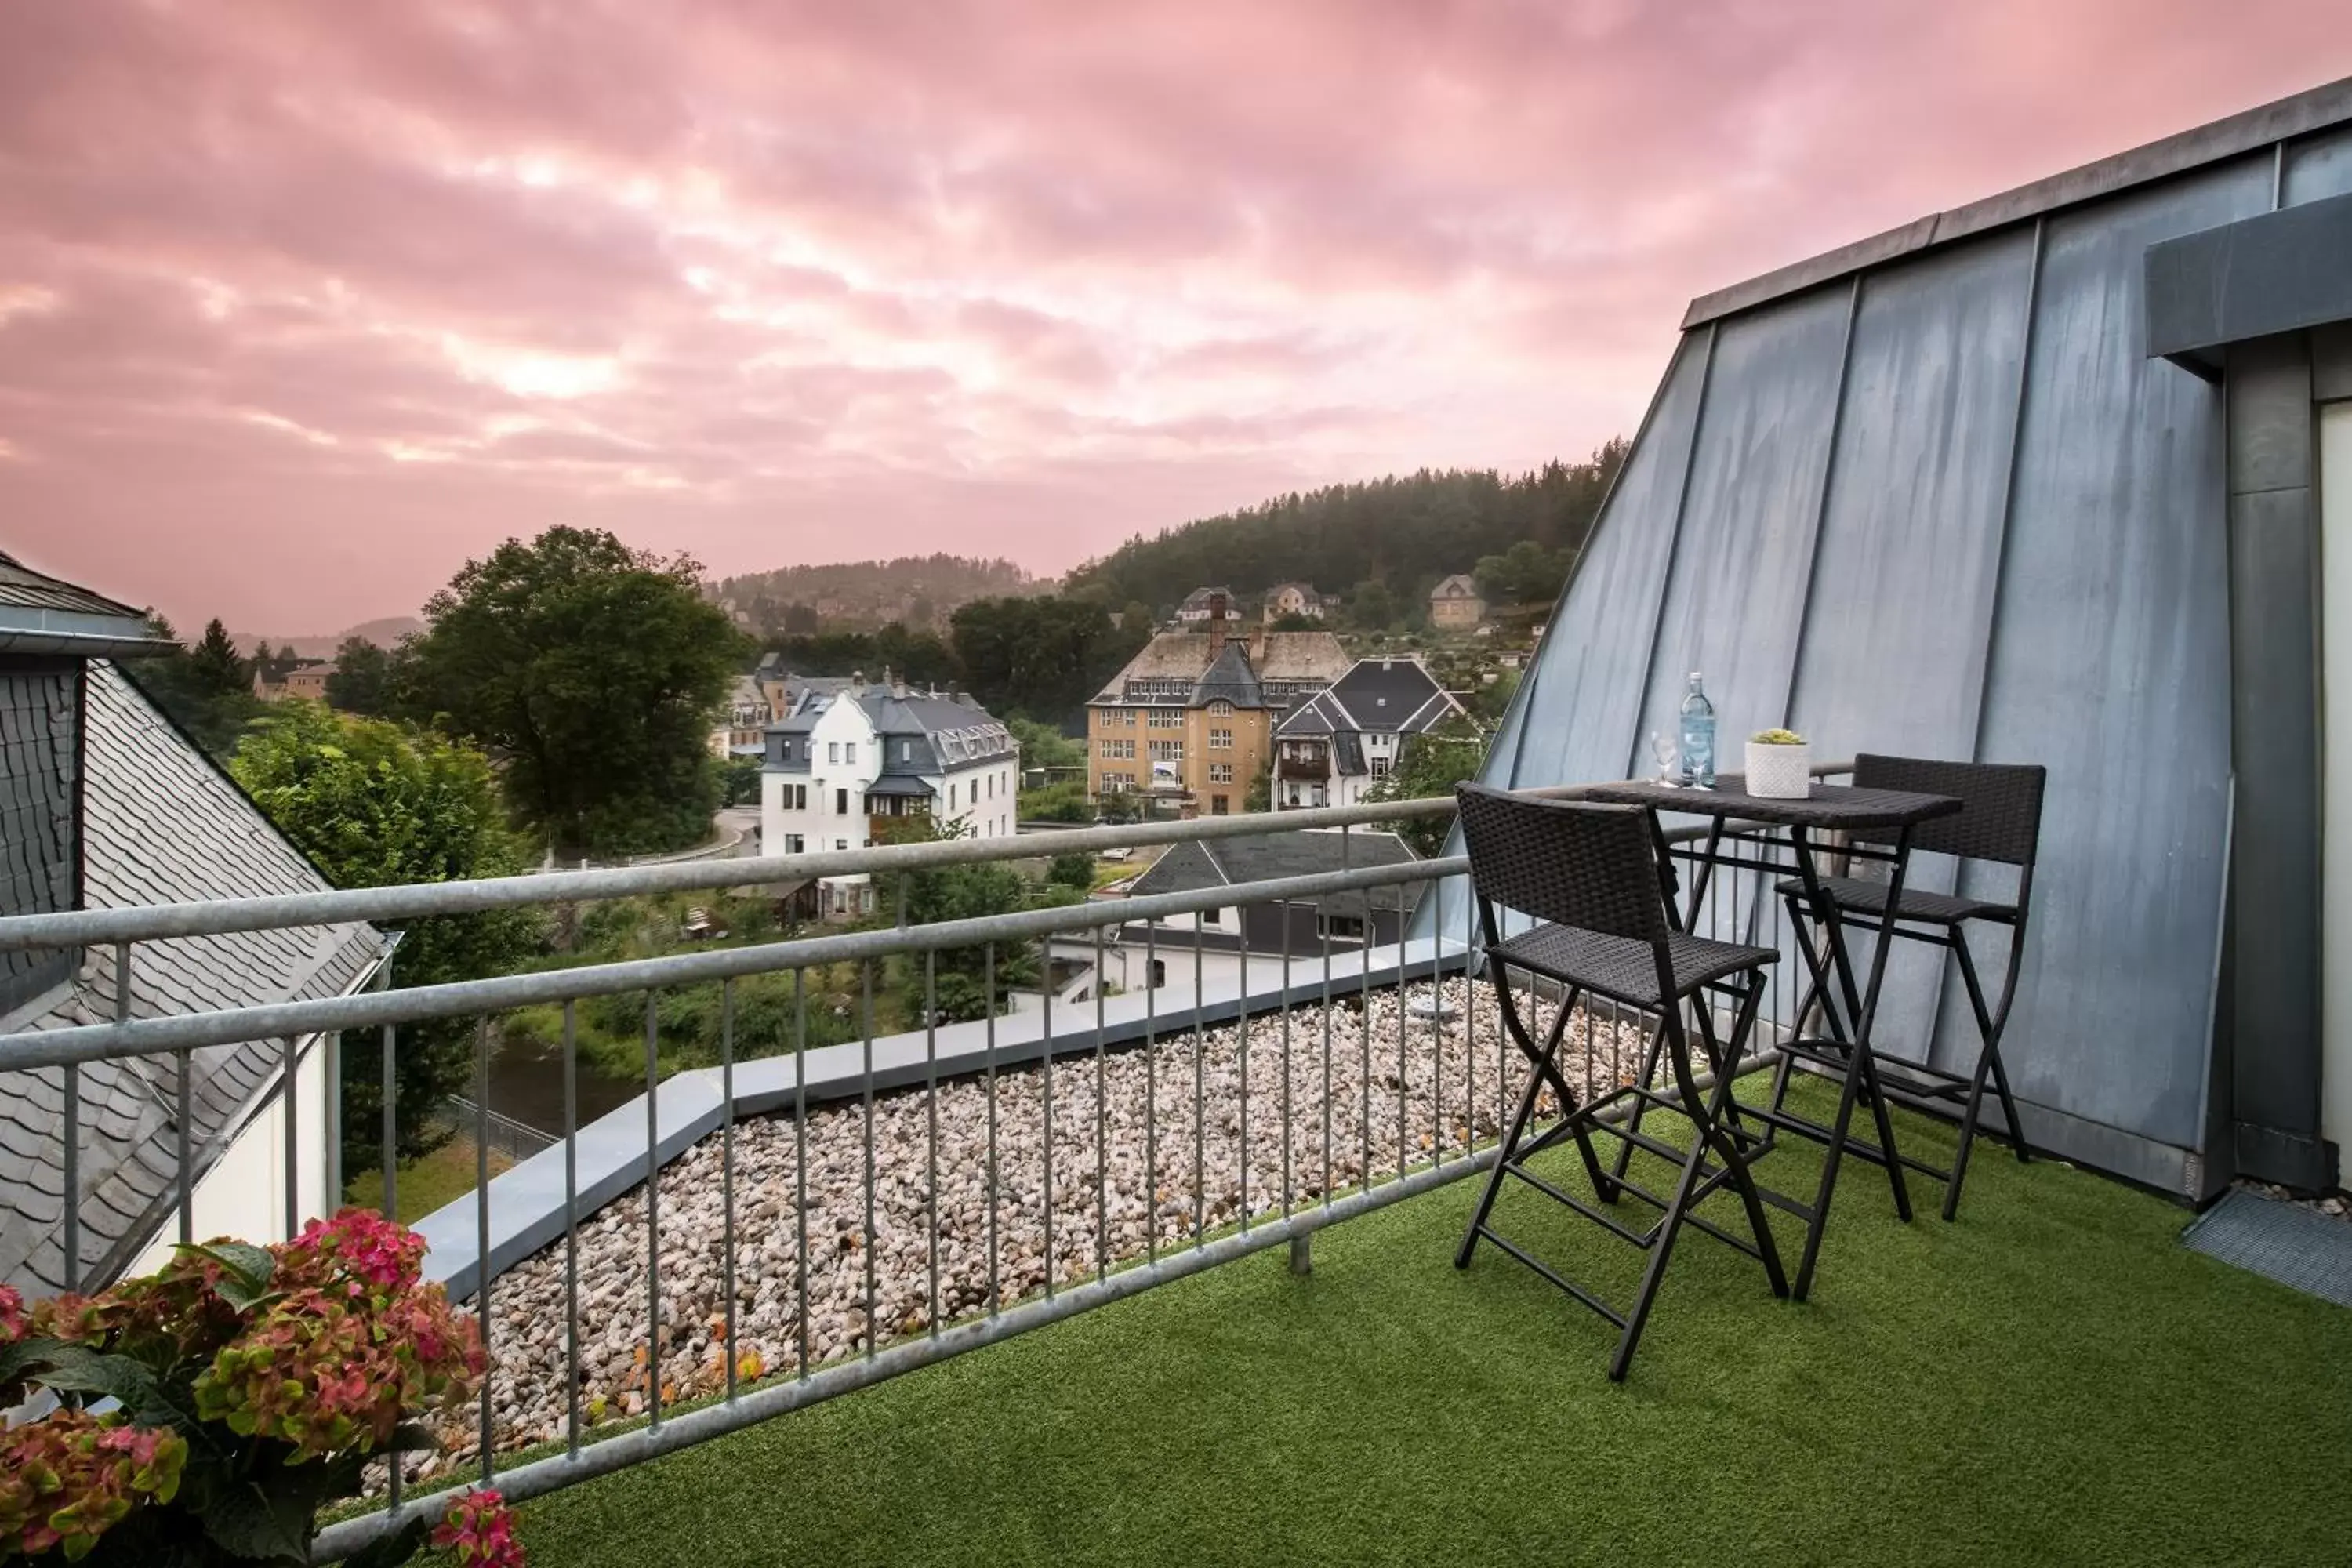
[441, 1177]
[2052, 1380]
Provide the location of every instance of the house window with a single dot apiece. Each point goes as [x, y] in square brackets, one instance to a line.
[1120, 750]
[906, 751]
[841, 844]
[841, 802]
[1166, 751]
[1380, 767]
[1344, 928]
[1217, 806]
[951, 797]
[833, 752]
[1158, 972]
[1164, 719]
[849, 753]
[795, 844]
[792, 797]
[1221, 740]
[1221, 773]
[1221, 708]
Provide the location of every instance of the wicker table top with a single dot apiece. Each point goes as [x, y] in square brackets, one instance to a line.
[1829, 806]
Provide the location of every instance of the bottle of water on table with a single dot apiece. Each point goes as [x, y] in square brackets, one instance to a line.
[1698, 737]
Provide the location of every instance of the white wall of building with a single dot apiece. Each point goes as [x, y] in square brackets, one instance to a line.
[846, 758]
[243, 1195]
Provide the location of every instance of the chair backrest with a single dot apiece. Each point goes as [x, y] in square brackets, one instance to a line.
[1568, 862]
[2001, 816]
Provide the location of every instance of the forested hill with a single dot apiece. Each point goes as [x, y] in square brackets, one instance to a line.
[919, 590]
[1403, 533]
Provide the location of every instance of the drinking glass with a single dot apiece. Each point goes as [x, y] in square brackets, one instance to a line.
[1661, 747]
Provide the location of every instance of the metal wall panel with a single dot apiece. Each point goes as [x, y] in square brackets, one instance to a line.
[1737, 590]
[2111, 666]
[2317, 166]
[1575, 715]
[1893, 651]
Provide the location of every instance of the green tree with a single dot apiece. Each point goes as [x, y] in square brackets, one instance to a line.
[199, 699]
[1525, 574]
[1372, 606]
[1043, 657]
[374, 802]
[1044, 746]
[960, 974]
[1432, 763]
[362, 681]
[1072, 869]
[593, 671]
[216, 667]
[741, 777]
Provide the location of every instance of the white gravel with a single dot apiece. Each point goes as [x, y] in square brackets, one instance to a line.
[1443, 1070]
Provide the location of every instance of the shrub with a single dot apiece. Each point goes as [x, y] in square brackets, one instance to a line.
[252, 1386]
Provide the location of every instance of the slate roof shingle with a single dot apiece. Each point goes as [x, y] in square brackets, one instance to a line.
[159, 824]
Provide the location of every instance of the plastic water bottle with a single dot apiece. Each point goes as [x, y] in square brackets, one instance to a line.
[1698, 737]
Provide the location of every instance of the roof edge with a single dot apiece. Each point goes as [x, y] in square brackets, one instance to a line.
[2316, 109]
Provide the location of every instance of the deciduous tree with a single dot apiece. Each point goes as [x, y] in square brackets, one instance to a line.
[594, 671]
[372, 803]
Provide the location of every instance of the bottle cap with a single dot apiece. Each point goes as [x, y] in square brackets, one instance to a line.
[1694, 675]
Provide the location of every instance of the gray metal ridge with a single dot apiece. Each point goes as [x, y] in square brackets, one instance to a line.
[2316, 109]
[405, 901]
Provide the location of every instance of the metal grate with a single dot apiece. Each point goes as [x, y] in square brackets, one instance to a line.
[2283, 1241]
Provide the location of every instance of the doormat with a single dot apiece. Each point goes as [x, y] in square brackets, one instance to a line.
[2286, 1242]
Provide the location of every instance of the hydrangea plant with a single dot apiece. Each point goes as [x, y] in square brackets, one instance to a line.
[249, 1386]
[1776, 738]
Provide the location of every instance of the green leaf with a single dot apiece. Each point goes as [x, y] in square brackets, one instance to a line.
[250, 1270]
[247, 1521]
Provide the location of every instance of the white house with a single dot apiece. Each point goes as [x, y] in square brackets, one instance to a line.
[1332, 748]
[839, 760]
[106, 804]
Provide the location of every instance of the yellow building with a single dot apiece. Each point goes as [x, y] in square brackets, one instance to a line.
[1189, 724]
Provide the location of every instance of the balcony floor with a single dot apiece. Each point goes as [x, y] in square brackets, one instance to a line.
[2054, 1379]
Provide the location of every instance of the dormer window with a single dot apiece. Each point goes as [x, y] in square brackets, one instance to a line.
[906, 751]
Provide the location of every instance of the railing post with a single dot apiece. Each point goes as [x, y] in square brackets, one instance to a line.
[1302, 1253]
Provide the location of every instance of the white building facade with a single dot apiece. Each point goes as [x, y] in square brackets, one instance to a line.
[840, 761]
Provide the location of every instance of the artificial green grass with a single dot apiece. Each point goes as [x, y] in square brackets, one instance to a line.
[2052, 1379]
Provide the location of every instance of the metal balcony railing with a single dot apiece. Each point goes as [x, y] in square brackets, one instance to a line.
[1373, 1074]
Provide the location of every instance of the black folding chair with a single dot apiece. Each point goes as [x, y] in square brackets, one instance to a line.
[2000, 821]
[1587, 873]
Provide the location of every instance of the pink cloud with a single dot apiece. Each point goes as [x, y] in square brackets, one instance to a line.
[300, 305]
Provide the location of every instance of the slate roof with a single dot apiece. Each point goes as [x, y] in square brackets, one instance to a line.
[21, 587]
[1196, 864]
[948, 735]
[1392, 696]
[161, 825]
[1289, 659]
[1458, 586]
[1229, 679]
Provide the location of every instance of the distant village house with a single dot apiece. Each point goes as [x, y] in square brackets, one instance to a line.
[1454, 604]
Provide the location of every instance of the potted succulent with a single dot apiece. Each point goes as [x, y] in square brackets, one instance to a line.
[1779, 765]
[204, 1413]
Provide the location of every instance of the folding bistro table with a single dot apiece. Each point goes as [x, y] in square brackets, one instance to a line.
[1870, 817]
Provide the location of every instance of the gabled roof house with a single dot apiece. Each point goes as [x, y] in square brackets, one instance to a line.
[105, 803]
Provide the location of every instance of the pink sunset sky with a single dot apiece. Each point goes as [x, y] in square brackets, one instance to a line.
[302, 303]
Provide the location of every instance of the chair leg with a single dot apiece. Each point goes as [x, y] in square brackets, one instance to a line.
[1495, 1176]
[1989, 1066]
[1671, 1224]
[1543, 1068]
[1723, 1105]
[1623, 1158]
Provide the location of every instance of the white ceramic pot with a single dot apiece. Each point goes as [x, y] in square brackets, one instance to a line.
[1779, 773]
